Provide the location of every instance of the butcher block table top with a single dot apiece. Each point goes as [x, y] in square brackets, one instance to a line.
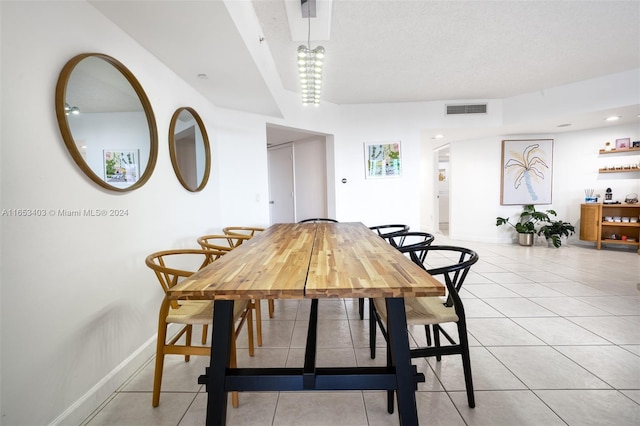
[310, 260]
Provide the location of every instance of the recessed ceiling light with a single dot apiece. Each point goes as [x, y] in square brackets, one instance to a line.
[203, 76]
[612, 118]
[564, 125]
[438, 136]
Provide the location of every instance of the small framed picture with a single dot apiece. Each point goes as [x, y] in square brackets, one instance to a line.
[623, 143]
[635, 144]
[382, 159]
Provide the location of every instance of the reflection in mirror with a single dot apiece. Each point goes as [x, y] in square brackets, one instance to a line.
[106, 122]
[189, 149]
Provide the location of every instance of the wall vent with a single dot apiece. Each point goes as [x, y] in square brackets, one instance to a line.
[466, 109]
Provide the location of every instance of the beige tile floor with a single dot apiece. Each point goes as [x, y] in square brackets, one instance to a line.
[555, 337]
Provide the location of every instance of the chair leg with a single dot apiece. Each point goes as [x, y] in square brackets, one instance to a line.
[249, 321]
[466, 362]
[257, 305]
[361, 307]
[272, 307]
[427, 332]
[188, 341]
[233, 363]
[157, 376]
[436, 340]
[205, 329]
[390, 398]
[372, 330]
[162, 337]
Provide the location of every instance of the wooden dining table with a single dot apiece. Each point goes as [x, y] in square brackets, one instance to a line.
[310, 261]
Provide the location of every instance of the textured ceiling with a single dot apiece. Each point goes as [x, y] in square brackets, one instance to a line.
[382, 51]
[399, 51]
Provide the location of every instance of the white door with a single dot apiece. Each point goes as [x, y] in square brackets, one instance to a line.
[281, 190]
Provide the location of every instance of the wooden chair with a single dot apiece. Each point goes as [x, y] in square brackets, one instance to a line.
[170, 267]
[433, 311]
[250, 231]
[224, 244]
[242, 230]
[318, 219]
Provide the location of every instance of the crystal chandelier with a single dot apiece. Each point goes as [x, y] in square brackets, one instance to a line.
[310, 67]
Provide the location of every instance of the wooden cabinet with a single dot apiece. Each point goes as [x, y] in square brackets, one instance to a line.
[594, 227]
[590, 217]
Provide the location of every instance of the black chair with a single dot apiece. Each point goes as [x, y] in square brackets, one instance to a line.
[390, 231]
[318, 219]
[433, 311]
[410, 240]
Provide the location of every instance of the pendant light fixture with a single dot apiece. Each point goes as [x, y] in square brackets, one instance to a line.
[310, 62]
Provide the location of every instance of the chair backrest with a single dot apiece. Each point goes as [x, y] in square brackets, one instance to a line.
[412, 239]
[242, 230]
[391, 231]
[172, 266]
[318, 219]
[223, 243]
[452, 262]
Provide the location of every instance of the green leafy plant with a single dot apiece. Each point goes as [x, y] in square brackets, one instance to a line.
[554, 230]
[111, 167]
[527, 220]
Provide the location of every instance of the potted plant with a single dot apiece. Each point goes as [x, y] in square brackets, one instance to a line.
[554, 230]
[526, 224]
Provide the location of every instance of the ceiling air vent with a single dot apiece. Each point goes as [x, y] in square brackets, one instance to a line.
[466, 109]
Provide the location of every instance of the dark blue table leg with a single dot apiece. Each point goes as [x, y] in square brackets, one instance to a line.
[221, 341]
[401, 359]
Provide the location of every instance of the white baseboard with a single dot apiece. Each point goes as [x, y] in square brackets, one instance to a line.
[90, 401]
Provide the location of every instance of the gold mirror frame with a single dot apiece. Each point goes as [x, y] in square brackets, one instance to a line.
[65, 129]
[173, 151]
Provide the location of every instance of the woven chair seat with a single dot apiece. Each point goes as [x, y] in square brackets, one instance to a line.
[200, 312]
[421, 310]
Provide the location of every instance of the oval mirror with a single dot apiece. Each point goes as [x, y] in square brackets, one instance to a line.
[189, 149]
[106, 122]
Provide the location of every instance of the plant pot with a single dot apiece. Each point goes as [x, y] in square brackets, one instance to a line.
[525, 239]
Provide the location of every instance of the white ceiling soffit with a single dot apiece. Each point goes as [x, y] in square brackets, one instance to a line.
[197, 37]
[277, 135]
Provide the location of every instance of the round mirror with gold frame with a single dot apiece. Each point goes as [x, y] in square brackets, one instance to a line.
[107, 122]
[189, 149]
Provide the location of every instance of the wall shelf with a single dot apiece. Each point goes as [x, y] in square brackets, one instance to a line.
[621, 151]
[633, 170]
[633, 167]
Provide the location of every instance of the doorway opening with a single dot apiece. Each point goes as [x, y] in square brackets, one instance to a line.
[301, 185]
[442, 189]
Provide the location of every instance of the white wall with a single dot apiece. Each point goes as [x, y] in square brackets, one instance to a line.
[475, 179]
[78, 305]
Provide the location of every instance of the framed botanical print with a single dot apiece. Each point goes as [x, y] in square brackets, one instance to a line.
[526, 171]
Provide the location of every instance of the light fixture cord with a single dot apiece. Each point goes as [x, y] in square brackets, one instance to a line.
[309, 28]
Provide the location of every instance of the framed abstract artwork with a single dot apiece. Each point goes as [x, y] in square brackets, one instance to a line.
[121, 165]
[526, 171]
[382, 159]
